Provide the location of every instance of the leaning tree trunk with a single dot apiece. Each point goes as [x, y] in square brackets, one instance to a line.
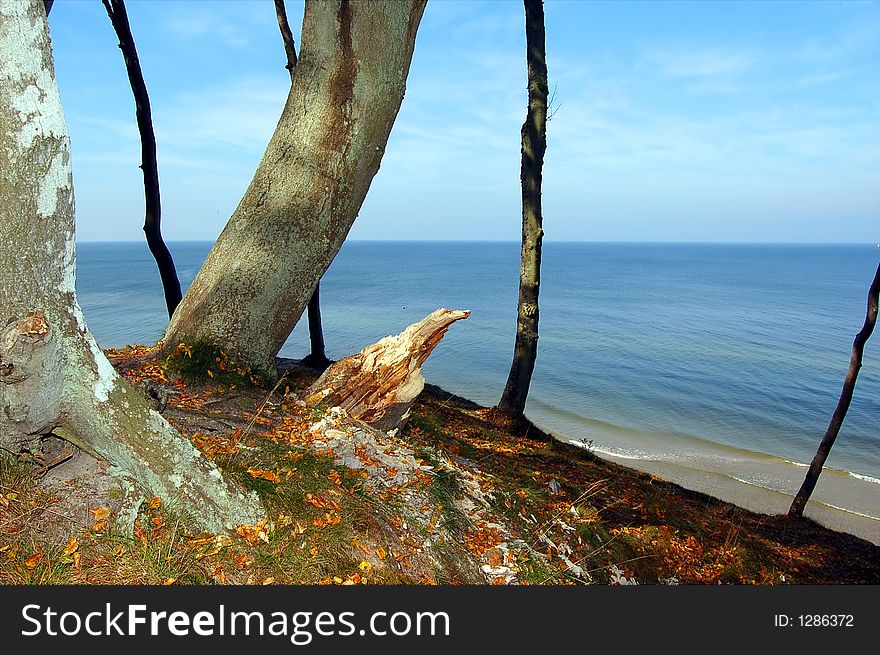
[149, 164]
[53, 376]
[534, 144]
[348, 84]
[317, 357]
[846, 394]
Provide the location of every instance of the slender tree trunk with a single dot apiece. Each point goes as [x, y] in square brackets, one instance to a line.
[286, 37]
[149, 165]
[53, 376]
[347, 89]
[317, 358]
[534, 144]
[846, 394]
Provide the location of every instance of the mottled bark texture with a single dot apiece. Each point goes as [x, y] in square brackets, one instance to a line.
[149, 163]
[348, 84]
[53, 376]
[846, 394]
[534, 144]
[317, 357]
[379, 384]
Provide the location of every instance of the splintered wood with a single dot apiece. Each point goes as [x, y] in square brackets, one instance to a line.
[379, 384]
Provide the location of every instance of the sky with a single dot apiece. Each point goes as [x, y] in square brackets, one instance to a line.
[671, 121]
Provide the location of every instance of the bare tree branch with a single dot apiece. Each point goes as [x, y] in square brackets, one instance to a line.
[286, 36]
[846, 394]
[149, 164]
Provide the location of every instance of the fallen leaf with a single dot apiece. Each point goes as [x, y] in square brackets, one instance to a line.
[100, 513]
[34, 559]
[271, 476]
[72, 545]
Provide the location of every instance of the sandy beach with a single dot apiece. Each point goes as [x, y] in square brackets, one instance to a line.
[767, 485]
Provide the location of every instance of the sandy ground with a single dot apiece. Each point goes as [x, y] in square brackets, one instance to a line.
[761, 499]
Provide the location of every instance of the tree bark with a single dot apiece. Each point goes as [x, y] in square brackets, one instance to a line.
[53, 376]
[534, 145]
[846, 394]
[379, 384]
[149, 164]
[348, 84]
[317, 357]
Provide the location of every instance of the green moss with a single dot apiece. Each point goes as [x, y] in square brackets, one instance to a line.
[427, 425]
[204, 363]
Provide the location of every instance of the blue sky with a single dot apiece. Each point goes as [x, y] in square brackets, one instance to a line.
[673, 121]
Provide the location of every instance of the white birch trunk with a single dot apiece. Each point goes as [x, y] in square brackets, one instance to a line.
[53, 375]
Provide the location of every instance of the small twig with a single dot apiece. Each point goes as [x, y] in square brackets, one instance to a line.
[561, 512]
[63, 457]
[62, 515]
[256, 415]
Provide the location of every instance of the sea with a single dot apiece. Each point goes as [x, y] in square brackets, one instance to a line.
[716, 366]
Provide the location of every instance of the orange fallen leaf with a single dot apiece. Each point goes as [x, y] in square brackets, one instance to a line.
[254, 533]
[34, 559]
[154, 503]
[72, 545]
[168, 581]
[100, 513]
[271, 476]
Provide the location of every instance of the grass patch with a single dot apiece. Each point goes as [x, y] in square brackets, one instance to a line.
[315, 509]
[203, 363]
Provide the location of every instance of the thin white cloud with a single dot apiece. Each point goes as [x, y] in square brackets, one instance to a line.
[699, 62]
[234, 25]
[234, 115]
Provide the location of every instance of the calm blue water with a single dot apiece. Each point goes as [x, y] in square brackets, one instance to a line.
[644, 348]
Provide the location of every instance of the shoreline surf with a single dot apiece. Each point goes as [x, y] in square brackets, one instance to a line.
[763, 483]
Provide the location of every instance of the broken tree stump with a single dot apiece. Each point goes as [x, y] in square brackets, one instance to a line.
[379, 384]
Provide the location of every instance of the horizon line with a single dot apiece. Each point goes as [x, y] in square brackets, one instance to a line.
[554, 241]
